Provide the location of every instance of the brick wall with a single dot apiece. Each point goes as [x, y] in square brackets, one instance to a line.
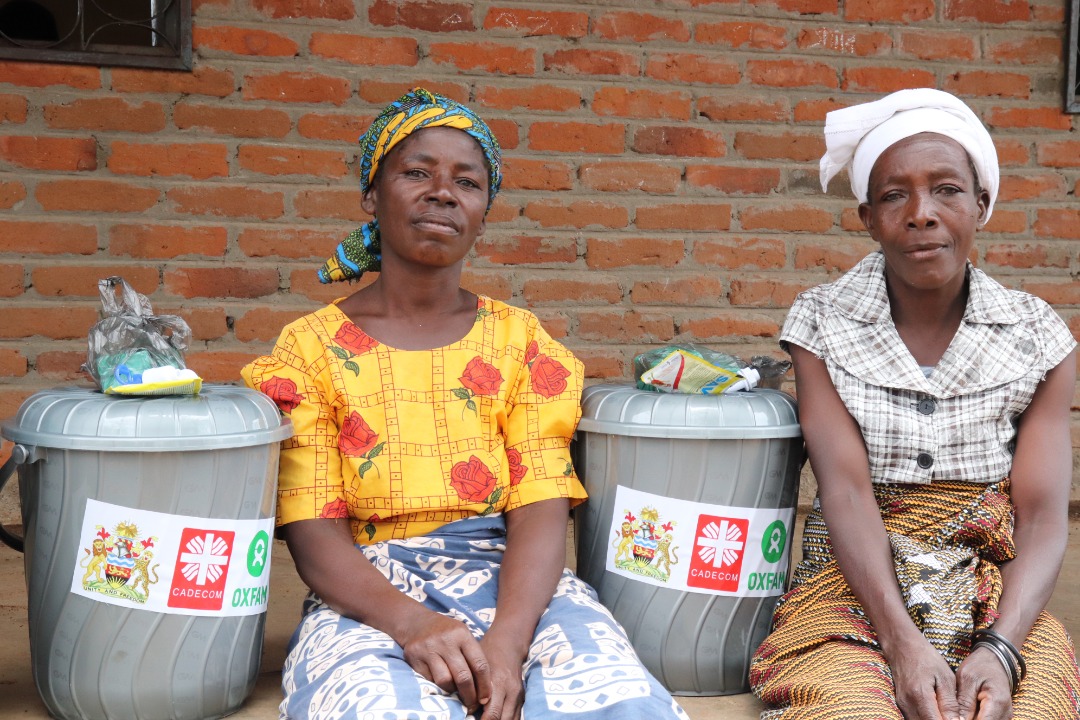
[661, 164]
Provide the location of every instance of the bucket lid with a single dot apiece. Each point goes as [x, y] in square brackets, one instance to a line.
[75, 418]
[744, 415]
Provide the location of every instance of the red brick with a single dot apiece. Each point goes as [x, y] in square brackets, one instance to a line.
[602, 363]
[1062, 153]
[288, 242]
[741, 108]
[283, 160]
[167, 241]
[206, 323]
[1032, 186]
[227, 201]
[582, 61]
[219, 366]
[13, 108]
[859, 44]
[328, 9]
[580, 214]
[815, 110]
[533, 22]
[11, 194]
[1027, 256]
[47, 238]
[608, 253]
[235, 121]
[82, 280]
[526, 250]
[360, 50]
[59, 321]
[264, 324]
[340, 204]
[619, 176]
[989, 84]
[49, 153]
[41, 75]
[222, 282]
[928, 45]
[788, 218]
[1058, 222]
[488, 57]
[503, 211]
[688, 68]
[689, 216]
[298, 87]
[751, 35]
[95, 196]
[741, 253]
[1027, 50]
[679, 141]
[832, 255]
[13, 363]
[381, 93]
[618, 326]
[765, 291]
[12, 282]
[886, 79]
[577, 137]
[1011, 152]
[62, 365]
[1055, 292]
[591, 288]
[493, 283]
[202, 80]
[802, 7]
[200, 161]
[243, 41]
[1007, 221]
[530, 174]
[1051, 118]
[429, 15]
[785, 146]
[791, 73]
[724, 324]
[108, 113]
[734, 179]
[305, 284]
[10, 402]
[344, 128]
[897, 11]
[626, 102]
[505, 131]
[987, 11]
[640, 27]
[556, 323]
[534, 97]
[677, 290]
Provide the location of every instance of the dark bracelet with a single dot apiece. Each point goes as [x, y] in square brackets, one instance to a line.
[1010, 667]
[1004, 641]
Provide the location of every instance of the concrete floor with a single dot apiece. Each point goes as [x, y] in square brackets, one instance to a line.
[19, 699]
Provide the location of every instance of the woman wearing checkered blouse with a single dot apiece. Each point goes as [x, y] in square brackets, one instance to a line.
[935, 407]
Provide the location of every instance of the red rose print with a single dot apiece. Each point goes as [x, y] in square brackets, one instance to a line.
[517, 470]
[356, 437]
[353, 339]
[472, 480]
[548, 376]
[531, 352]
[336, 509]
[283, 392]
[481, 378]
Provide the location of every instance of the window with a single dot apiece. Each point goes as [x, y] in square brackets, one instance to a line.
[1072, 52]
[141, 33]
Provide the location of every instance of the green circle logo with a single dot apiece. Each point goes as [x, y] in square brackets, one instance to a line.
[257, 553]
[774, 541]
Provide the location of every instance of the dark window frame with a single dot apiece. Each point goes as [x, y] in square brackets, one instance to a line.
[1072, 54]
[77, 46]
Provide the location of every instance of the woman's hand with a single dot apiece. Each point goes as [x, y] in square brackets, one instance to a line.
[925, 684]
[446, 653]
[507, 686]
[983, 687]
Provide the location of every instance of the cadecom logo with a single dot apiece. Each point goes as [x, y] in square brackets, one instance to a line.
[716, 563]
[202, 567]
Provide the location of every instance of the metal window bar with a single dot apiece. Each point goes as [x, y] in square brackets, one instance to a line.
[1072, 52]
[97, 32]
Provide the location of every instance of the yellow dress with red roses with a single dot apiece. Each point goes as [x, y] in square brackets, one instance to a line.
[403, 442]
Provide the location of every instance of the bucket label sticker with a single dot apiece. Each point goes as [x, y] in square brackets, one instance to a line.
[173, 563]
[699, 547]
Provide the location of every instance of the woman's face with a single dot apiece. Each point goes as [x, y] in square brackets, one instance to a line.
[923, 208]
[430, 196]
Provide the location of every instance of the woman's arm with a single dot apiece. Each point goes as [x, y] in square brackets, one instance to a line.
[1040, 482]
[438, 647]
[925, 685]
[532, 564]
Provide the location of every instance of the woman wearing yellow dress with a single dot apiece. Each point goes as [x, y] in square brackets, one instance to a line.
[424, 495]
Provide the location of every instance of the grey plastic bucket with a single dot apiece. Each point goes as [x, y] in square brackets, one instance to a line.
[210, 458]
[681, 480]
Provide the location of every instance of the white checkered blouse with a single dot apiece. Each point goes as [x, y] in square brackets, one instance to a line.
[960, 422]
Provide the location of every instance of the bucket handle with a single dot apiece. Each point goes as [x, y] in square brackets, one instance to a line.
[19, 455]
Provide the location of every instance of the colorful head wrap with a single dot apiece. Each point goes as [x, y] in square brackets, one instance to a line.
[416, 110]
[855, 137]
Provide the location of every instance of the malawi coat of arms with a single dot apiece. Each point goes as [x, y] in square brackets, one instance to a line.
[644, 545]
[118, 563]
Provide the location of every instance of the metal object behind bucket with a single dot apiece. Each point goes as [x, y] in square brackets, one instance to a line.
[213, 455]
[742, 449]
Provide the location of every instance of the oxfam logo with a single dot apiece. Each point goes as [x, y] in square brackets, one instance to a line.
[257, 553]
[774, 541]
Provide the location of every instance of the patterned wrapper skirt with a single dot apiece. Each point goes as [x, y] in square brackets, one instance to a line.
[580, 664]
[822, 659]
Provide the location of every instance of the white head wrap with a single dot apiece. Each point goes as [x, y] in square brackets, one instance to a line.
[856, 136]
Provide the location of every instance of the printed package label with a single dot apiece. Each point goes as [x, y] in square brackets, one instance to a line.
[698, 547]
[173, 563]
